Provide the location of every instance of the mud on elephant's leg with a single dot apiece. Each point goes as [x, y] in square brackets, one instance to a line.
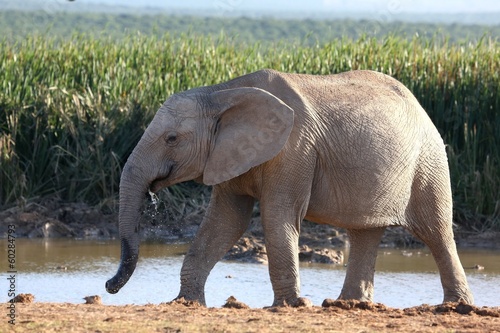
[358, 282]
[227, 218]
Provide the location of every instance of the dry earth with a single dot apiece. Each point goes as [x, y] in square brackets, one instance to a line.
[336, 316]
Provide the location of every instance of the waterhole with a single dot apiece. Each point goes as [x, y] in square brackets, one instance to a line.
[68, 270]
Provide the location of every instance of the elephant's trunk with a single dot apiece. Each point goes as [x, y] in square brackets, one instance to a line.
[129, 257]
[133, 186]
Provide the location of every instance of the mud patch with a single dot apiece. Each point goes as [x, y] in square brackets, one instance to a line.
[449, 307]
[52, 218]
[321, 255]
[233, 303]
[184, 302]
[354, 304]
[488, 239]
[23, 298]
[248, 249]
[96, 299]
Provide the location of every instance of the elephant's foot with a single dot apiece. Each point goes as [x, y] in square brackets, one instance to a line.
[362, 297]
[186, 302]
[296, 302]
[192, 289]
[190, 299]
[348, 304]
[362, 291]
[459, 296]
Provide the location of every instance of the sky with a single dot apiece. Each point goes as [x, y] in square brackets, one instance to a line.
[421, 6]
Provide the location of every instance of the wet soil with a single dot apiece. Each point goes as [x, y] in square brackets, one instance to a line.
[334, 316]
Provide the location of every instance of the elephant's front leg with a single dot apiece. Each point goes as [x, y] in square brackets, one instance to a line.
[358, 283]
[225, 221]
[281, 231]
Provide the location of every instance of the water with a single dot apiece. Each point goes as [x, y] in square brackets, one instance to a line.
[68, 270]
[154, 200]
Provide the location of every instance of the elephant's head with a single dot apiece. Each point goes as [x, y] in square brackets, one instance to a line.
[209, 136]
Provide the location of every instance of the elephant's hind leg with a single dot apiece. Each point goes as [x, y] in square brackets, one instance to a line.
[358, 282]
[442, 245]
[429, 217]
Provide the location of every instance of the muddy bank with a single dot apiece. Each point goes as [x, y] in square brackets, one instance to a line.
[337, 316]
[50, 218]
[53, 219]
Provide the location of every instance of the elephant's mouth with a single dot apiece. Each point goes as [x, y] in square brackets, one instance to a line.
[162, 181]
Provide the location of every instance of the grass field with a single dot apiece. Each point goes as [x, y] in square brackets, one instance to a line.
[71, 110]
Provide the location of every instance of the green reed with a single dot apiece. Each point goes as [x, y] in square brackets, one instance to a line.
[72, 110]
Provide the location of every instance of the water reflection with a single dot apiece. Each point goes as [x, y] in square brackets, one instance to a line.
[67, 270]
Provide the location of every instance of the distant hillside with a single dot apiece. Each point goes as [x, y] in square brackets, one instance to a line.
[483, 12]
[18, 24]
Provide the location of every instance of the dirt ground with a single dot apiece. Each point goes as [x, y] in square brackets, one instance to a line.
[339, 316]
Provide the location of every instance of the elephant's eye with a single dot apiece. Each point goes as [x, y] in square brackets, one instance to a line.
[171, 138]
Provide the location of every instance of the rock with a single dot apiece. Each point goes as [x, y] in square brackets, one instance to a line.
[233, 303]
[50, 218]
[399, 237]
[55, 229]
[464, 308]
[488, 239]
[302, 302]
[248, 249]
[252, 250]
[23, 298]
[96, 299]
[321, 256]
[460, 307]
[349, 304]
[476, 267]
[29, 217]
[185, 302]
[321, 236]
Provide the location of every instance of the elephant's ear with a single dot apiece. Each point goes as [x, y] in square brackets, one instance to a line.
[253, 127]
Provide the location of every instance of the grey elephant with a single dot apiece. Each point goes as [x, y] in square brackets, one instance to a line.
[353, 150]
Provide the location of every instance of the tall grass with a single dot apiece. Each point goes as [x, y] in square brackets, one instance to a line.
[72, 110]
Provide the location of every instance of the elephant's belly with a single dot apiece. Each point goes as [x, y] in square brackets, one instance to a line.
[354, 221]
[369, 206]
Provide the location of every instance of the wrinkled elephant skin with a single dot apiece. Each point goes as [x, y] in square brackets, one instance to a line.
[353, 150]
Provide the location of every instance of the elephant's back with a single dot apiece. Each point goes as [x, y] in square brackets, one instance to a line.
[369, 132]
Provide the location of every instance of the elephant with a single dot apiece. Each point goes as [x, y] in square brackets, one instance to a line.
[353, 150]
